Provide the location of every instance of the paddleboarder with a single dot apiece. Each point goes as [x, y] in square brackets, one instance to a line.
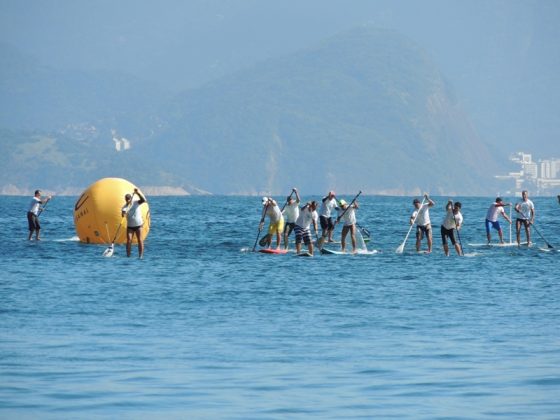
[421, 215]
[328, 205]
[494, 211]
[307, 215]
[276, 226]
[348, 216]
[134, 221]
[290, 213]
[525, 216]
[33, 213]
[452, 222]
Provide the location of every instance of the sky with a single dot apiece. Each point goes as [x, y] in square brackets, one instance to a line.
[502, 57]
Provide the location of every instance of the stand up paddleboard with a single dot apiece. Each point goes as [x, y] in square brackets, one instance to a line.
[273, 251]
[326, 251]
[497, 245]
[304, 254]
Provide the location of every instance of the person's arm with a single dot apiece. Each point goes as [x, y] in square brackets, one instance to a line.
[139, 194]
[297, 195]
[532, 218]
[449, 205]
[506, 217]
[431, 202]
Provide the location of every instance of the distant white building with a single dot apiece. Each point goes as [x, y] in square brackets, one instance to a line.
[542, 178]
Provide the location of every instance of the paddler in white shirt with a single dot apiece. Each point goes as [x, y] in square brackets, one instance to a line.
[307, 215]
[495, 209]
[276, 226]
[526, 216]
[421, 216]
[290, 213]
[453, 221]
[347, 214]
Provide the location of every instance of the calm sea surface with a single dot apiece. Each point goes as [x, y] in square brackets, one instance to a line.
[203, 328]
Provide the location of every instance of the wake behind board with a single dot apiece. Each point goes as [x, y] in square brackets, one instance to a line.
[273, 251]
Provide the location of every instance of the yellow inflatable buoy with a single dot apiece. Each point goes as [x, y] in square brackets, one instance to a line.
[97, 213]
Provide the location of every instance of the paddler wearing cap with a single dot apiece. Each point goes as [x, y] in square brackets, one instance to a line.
[347, 214]
[276, 226]
[134, 221]
[421, 216]
[495, 209]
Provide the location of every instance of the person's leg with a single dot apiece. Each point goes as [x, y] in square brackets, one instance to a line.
[298, 239]
[518, 231]
[444, 241]
[343, 238]
[353, 237]
[128, 241]
[501, 235]
[331, 229]
[528, 233]
[140, 242]
[418, 238]
[38, 234]
[457, 248]
[429, 236]
[487, 224]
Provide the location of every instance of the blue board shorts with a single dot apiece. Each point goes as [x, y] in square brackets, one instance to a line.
[495, 225]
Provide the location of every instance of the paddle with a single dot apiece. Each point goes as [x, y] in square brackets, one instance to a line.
[111, 249]
[457, 229]
[260, 226]
[400, 249]
[44, 207]
[536, 230]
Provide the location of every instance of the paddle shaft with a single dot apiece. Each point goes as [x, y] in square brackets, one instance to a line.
[346, 209]
[43, 208]
[260, 228]
[284, 206]
[411, 225]
[536, 230]
[122, 218]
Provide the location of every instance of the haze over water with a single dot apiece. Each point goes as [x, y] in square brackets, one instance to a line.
[202, 328]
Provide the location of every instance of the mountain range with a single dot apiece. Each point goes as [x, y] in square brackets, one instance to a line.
[367, 110]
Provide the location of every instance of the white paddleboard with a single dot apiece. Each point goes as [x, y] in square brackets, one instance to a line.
[497, 245]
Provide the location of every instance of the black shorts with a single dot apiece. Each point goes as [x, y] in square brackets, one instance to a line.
[33, 221]
[523, 222]
[423, 229]
[134, 228]
[447, 233]
[326, 223]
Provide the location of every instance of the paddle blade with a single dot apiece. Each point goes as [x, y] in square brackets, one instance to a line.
[265, 239]
[400, 249]
[109, 251]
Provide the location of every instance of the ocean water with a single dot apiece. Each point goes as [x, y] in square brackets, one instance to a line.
[204, 328]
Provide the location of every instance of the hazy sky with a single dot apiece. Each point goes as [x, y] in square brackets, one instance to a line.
[502, 57]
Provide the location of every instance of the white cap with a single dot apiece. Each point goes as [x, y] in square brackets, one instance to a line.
[264, 200]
